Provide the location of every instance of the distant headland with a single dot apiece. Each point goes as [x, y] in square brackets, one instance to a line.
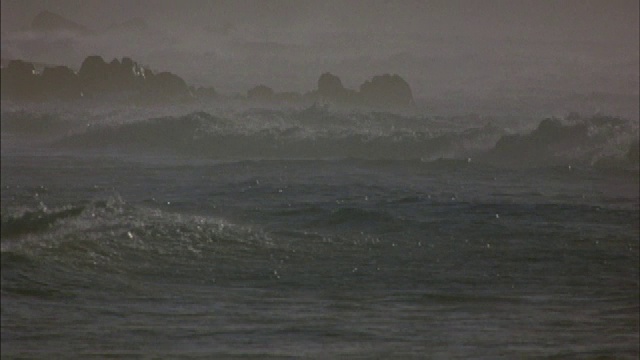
[127, 81]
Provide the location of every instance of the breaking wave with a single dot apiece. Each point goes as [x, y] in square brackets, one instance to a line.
[35, 124]
[321, 134]
[288, 136]
[111, 236]
[599, 141]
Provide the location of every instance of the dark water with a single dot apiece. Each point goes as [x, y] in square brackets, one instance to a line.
[169, 238]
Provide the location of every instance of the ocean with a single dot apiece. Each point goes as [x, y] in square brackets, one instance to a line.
[197, 231]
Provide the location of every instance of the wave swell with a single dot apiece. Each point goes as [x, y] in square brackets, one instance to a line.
[321, 134]
[600, 140]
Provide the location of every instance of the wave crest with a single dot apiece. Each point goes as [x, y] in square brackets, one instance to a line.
[321, 134]
[289, 136]
[592, 141]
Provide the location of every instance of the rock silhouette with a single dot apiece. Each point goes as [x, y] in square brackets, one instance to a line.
[381, 92]
[387, 91]
[165, 85]
[330, 88]
[95, 76]
[120, 79]
[60, 82]
[126, 80]
[19, 80]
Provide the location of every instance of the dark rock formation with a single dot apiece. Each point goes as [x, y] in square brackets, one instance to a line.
[330, 87]
[127, 77]
[386, 91]
[389, 92]
[20, 81]
[60, 82]
[125, 80]
[165, 85]
[94, 76]
[97, 77]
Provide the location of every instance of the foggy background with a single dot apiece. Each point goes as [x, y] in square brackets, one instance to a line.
[458, 56]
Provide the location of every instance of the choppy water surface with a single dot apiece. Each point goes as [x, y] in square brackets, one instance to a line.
[317, 234]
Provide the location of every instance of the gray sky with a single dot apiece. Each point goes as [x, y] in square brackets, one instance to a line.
[441, 47]
[583, 19]
[575, 19]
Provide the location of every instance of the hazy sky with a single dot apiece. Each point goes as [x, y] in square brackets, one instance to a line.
[440, 47]
[583, 19]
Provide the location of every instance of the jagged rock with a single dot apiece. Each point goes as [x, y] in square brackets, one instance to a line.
[127, 75]
[165, 85]
[60, 82]
[20, 81]
[130, 67]
[94, 76]
[21, 68]
[99, 78]
[117, 80]
[331, 90]
[330, 87]
[386, 91]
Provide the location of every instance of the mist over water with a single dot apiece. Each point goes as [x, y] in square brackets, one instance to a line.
[523, 58]
[498, 217]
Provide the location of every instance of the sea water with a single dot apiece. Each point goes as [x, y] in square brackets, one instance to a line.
[247, 233]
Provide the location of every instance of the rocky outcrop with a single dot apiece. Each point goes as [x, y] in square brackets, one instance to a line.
[60, 82]
[126, 80]
[99, 78]
[165, 86]
[386, 91]
[330, 88]
[381, 92]
[19, 80]
[120, 79]
[95, 76]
